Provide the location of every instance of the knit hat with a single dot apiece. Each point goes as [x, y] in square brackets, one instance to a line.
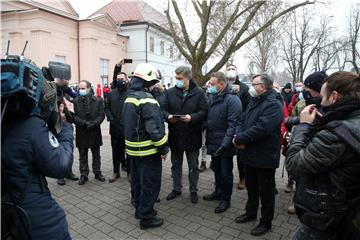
[315, 80]
[287, 86]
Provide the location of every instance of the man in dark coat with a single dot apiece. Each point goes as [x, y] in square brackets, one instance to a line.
[324, 157]
[224, 114]
[259, 137]
[89, 114]
[242, 91]
[287, 93]
[185, 109]
[113, 109]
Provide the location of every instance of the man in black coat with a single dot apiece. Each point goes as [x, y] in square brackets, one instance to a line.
[113, 109]
[259, 137]
[287, 93]
[185, 109]
[89, 114]
[224, 114]
[242, 91]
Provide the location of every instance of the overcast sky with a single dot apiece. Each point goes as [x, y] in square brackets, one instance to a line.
[339, 9]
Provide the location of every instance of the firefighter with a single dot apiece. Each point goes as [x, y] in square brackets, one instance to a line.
[146, 143]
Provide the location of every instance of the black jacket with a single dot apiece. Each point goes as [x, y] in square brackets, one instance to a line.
[143, 123]
[323, 162]
[260, 131]
[113, 109]
[243, 94]
[186, 136]
[287, 96]
[89, 114]
[225, 112]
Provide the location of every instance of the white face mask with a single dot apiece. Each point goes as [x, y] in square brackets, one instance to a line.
[298, 89]
[231, 74]
[253, 92]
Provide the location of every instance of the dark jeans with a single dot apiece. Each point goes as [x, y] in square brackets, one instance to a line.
[118, 152]
[83, 157]
[260, 182]
[145, 183]
[176, 169]
[241, 166]
[223, 167]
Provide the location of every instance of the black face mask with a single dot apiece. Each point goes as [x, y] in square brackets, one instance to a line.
[121, 84]
[310, 99]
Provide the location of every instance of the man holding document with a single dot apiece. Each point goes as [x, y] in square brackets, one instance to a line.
[185, 110]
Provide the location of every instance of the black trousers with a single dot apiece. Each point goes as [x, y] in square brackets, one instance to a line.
[96, 163]
[241, 166]
[118, 152]
[223, 167]
[260, 182]
[145, 183]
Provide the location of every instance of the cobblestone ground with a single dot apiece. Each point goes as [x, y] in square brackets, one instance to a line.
[102, 210]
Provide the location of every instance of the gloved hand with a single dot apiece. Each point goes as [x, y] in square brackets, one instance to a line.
[219, 152]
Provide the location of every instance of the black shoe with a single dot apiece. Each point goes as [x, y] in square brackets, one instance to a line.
[202, 167]
[61, 181]
[211, 197]
[173, 195]
[157, 200]
[245, 218]
[223, 206]
[83, 180]
[151, 223]
[194, 197]
[260, 229]
[72, 177]
[99, 177]
[137, 215]
[114, 177]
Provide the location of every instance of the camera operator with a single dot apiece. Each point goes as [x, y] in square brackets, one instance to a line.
[65, 92]
[34, 146]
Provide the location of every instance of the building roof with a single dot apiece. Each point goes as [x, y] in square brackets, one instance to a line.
[127, 11]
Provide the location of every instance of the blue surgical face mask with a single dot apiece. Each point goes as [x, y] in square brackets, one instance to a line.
[300, 97]
[179, 84]
[82, 92]
[212, 90]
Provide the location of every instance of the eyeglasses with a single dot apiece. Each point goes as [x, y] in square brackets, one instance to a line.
[255, 84]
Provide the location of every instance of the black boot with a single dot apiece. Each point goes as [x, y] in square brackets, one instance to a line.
[223, 206]
[61, 181]
[212, 196]
[83, 180]
[260, 229]
[173, 195]
[151, 223]
[202, 166]
[100, 177]
[72, 177]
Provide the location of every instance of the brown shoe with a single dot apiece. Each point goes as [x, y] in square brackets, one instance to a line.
[114, 177]
[291, 210]
[241, 184]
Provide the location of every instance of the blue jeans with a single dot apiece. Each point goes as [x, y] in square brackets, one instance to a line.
[224, 177]
[176, 169]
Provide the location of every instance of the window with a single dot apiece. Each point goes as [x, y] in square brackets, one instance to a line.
[104, 71]
[171, 51]
[59, 58]
[162, 48]
[152, 44]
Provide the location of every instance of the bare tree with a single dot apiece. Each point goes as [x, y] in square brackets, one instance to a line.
[300, 41]
[262, 50]
[325, 56]
[197, 52]
[352, 45]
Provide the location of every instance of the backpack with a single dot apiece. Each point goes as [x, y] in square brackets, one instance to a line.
[316, 204]
[21, 90]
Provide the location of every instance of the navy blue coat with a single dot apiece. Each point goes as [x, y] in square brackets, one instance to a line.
[260, 131]
[225, 112]
[28, 145]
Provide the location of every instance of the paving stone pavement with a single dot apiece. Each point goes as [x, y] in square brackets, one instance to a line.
[102, 210]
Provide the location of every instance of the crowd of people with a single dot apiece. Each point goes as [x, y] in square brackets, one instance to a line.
[315, 125]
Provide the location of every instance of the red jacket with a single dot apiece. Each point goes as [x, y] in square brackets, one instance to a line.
[292, 104]
[98, 90]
